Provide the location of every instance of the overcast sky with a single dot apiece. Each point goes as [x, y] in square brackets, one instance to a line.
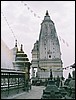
[26, 25]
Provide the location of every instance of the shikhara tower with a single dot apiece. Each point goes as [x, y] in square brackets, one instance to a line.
[46, 55]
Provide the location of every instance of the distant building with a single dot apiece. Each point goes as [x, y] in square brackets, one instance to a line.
[6, 56]
[46, 55]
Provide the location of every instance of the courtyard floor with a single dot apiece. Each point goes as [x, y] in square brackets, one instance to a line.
[35, 93]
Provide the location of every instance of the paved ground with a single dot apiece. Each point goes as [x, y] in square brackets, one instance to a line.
[34, 93]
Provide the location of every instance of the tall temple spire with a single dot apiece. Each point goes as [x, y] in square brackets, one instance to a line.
[47, 56]
[15, 43]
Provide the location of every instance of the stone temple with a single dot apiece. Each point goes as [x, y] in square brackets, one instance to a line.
[46, 55]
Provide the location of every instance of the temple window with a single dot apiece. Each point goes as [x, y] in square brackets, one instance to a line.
[49, 56]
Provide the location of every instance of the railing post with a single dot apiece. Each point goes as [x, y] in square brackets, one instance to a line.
[8, 83]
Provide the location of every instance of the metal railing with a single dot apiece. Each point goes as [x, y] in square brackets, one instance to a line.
[12, 80]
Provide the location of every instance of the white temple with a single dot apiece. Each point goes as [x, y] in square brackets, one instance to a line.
[46, 55]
